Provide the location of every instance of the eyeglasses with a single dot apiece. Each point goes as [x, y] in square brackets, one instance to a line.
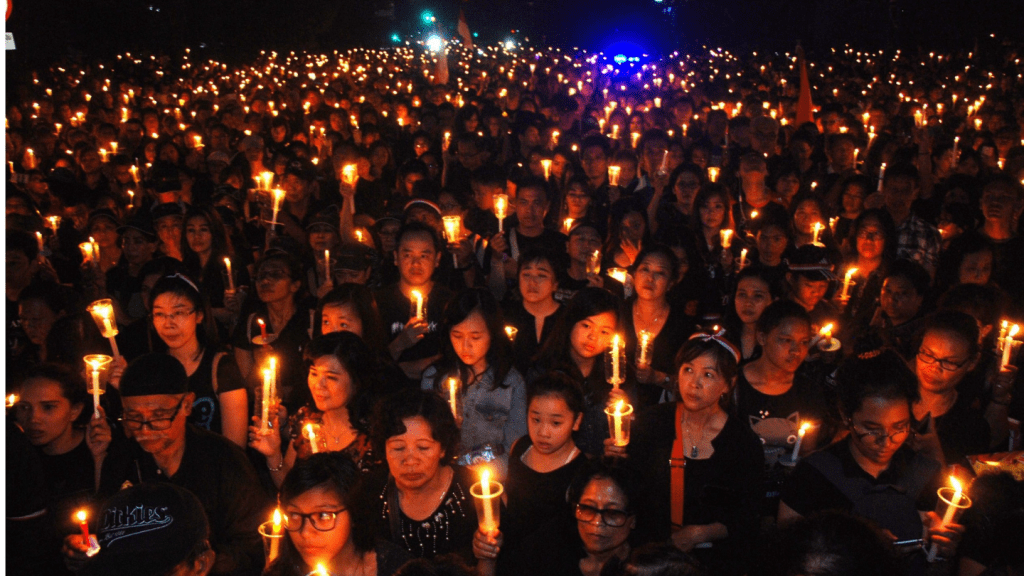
[173, 316]
[156, 423]
[944, 363]
[879, 436]
[324, 521]
[609, 516]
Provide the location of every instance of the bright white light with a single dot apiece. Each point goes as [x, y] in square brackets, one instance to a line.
[510, 44]
[434, 43]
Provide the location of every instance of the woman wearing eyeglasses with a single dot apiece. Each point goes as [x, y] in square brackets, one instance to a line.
[874, 472]
[187, 333]
[948, 352]
[326, 525]
[595, 539]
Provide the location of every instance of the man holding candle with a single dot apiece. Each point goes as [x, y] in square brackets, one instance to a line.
[164, 448]
[532, 206]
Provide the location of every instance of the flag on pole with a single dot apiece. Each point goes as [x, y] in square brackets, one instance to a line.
[441, 68]
[804, 106]
[467, 38]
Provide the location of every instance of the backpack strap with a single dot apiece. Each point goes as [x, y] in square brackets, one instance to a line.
[216, 363]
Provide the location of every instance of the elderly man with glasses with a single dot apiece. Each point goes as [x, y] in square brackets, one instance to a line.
[163, 447]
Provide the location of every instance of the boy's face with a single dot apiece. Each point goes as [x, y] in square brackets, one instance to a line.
[899, 300]
[808, 292]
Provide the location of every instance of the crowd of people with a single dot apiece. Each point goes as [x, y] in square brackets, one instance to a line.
[344, 286]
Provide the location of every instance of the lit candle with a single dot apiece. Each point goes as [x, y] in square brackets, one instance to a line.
[263, 330]
[617, 424]
[359, 236]
[446, 142]
[231, 278]
[826, 333]
[645, 343]
[511, 332]
[847, 281]
[800, 439]
[951, 510]
[102, 312]
[131, 199]
[327, 266]
[545, 164]
[616, 369]
[418, 297]
[278, 198]
[12, 399]
[1008, 347]
[95, 387]
[275, 543]
[266, 179]
[743, 258]
[453, 396]
[634, 137]
[83, 522]
[488, 524]
[816, 230]
[268, 381]
[881, 176]
[350, 174]
[567, 224]
[713, 173]
[613, 175]
[753, 213]
[321, 570]
[726, 237]
[1003, 330]
[501, 209]
[453, 231]
[311, 433]
[619, 274]
[39, 241]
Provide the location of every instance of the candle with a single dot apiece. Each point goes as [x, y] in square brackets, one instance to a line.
[39, 241]
[1008, 343]
[881, 176]
[634, 137]
[265, 180]
[847, 281]
[102, 312]
[446, 142]
[311, 434]
[953, 506]
[644, 345]
[131, 199]
[918, 118]
[83, 522]
[453, 396]
[278, 198]
[511, 332]
[135, 173]
[359, 236]
[418, 297]
[501, 209]
[713, 173]
[12, 399]
[321, 570]
[268, 381]
[231, 278]
[487, 524]
[726, 237]
[743, 259]
[263, 331]
[956, 146]
[753, 213]
[816, 230]
[616, 369]
[327, 266]
[800, 439]
[95, 385]
[567, 224]
[826, 333]
[617, 431]
[619, 274]
[613, 175]
[545, 164]
[275, 543]
[349, 174]
[1004, 328]
[54, 222]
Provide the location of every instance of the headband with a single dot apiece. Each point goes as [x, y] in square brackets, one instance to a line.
[179, 276]
[717, 336]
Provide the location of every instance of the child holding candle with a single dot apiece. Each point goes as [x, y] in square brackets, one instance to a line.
[478, 354]
[536, 312]
[326, 526]
[721, 485]
[424, 503]
[186, 331]
[577, 347]
[874, 472]
[343, 380]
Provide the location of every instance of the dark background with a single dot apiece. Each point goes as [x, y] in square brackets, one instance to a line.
[46, 30]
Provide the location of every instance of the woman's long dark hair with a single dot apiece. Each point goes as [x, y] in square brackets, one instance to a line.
[335, 472]
[589, 301]
[361, 298]
[499, 354]
[221, 243]
[359, 362]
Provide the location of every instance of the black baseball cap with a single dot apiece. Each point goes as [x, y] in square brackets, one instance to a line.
[153, 374]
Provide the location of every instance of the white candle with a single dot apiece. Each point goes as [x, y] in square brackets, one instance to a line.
[418, 296]
[485, 492]
[947, 518]
[816, 229]
[1008, 347]
[800, 440]
[95, 390]
[613, 175]
[275, 543]
[545, 164]
[265, 409]
[615, 361]
[500, 209]
[312, 438]
[453, 392]
[231, 278]
[846, 284]
[617, 416]
[278, 198]
[881, 176]
[39, 240]
[713, 173]
[726, 237]
[645, 342]
[743, 259]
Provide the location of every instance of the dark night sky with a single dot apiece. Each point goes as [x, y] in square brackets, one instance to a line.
[47, 29]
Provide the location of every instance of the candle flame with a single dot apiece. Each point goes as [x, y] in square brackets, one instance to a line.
[321, 570]
[261, 322]
[826, 330]
[618, 407]
[12, 399]
[804, 427]
[957, 487]
[1014, 330]
[81, 515]
[485, 479]
[277, 518]
[850, 273]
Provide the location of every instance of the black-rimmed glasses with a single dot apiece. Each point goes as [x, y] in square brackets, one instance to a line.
[156, 423]
[609, 516]
[324, 520]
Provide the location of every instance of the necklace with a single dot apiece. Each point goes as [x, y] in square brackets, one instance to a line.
[694, 451]
[638, 320]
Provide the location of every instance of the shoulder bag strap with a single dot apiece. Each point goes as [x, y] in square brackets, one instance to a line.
[677, 467]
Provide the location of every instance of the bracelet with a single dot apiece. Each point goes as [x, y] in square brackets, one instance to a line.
[278, 468]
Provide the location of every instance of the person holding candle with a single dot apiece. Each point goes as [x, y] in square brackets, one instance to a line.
[628, 235]
[423, 504]
[584, 242]
[186, 331]
[873, 238]
[206, 246]
[666, 325]
[578, 204]
[414, 342]
[102, 226]
[163, 447]
[577, 347]
[327, 524]
[874, 472]
[900, 301]
[531, 207]
[807, 211]
[722, 482]
[852, 192]
[344, 383]
[775, 397]
[811, 273]
[478, 354]
[535, 314]
[670, 215]
[711, 215]
[285, 312]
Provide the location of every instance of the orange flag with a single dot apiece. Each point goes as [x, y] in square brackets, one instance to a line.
[467, 38]
[804, 106]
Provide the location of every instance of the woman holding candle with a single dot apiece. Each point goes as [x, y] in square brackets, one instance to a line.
[181, 320]
[328, 523]
[478, 354]
[808, 210]
[721, 485]
[206, 246]
[577, 347]
[774, 397]
[424, 503]
[670, 215]
[712, 214]
[536, 312]
[343, 380]
[755, 291]
[873, 238]
[286, 316]
[103, 225]
[629, 234]
[874, 472]
[655, 328]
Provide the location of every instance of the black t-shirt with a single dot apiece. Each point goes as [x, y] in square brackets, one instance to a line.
[776, 419]
[288, 345]
[662, 350]
[547, 240]
[526, 345]
[206, 410]
[395, 311]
